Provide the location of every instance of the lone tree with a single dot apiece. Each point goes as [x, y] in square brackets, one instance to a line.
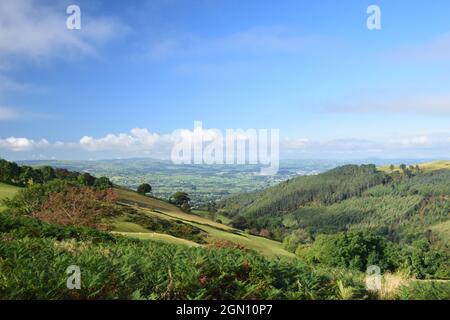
[180, 198]
[144, 188]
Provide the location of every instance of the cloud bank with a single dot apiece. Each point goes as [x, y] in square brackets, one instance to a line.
[141, 142]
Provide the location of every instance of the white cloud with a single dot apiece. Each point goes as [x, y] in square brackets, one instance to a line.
[141, 142]
[138, 140]
[33, 30]
[22, 144]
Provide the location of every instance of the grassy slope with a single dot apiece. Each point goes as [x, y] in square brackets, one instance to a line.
[216, 231]
[224, 219]
[159, 237]
[427, 166]
[437, 165]
[7, 191]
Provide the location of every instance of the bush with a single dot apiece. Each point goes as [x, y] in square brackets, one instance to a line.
[78, 206]
[295, 239]
[353, 250]
[144, 188]
[425, 290]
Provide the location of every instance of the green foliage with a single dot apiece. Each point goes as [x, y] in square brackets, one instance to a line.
[349, 250]
[425, 290]
[85, 179]
[295, 239]
[144, 188]
[179, 198]
[34, 267]
[434, 183]
[103, 183]
[11, 173]
[358, 250]
[425, 262]
[30, 199]
[326, 188]
[240, 222]
[381, 214]
[402, 208]
[48, 173]
[27, 227]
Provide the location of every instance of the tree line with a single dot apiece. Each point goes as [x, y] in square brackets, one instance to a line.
[22, 176]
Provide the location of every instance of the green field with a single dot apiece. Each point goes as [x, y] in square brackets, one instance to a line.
[6, 191]
[215, 231]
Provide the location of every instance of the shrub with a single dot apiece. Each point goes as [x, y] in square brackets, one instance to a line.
[78, 206]
[425, 290]
[144, 188]
[354, 250]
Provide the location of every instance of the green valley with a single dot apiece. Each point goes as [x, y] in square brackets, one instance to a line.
[309, 237]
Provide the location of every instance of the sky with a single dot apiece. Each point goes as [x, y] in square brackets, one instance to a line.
[137, 71]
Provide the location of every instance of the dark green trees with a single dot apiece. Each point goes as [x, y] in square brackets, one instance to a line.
[240, 222]
[103, 183]
[144, 188]
[86, 179]
[12, 173]
[354, 250]
[180, 198]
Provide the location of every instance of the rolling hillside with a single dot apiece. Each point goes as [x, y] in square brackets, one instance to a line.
[401, 206]
[47, 191]
[323, 189]
[212, 232]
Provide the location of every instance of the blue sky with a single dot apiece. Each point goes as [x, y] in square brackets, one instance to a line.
[137, 71]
